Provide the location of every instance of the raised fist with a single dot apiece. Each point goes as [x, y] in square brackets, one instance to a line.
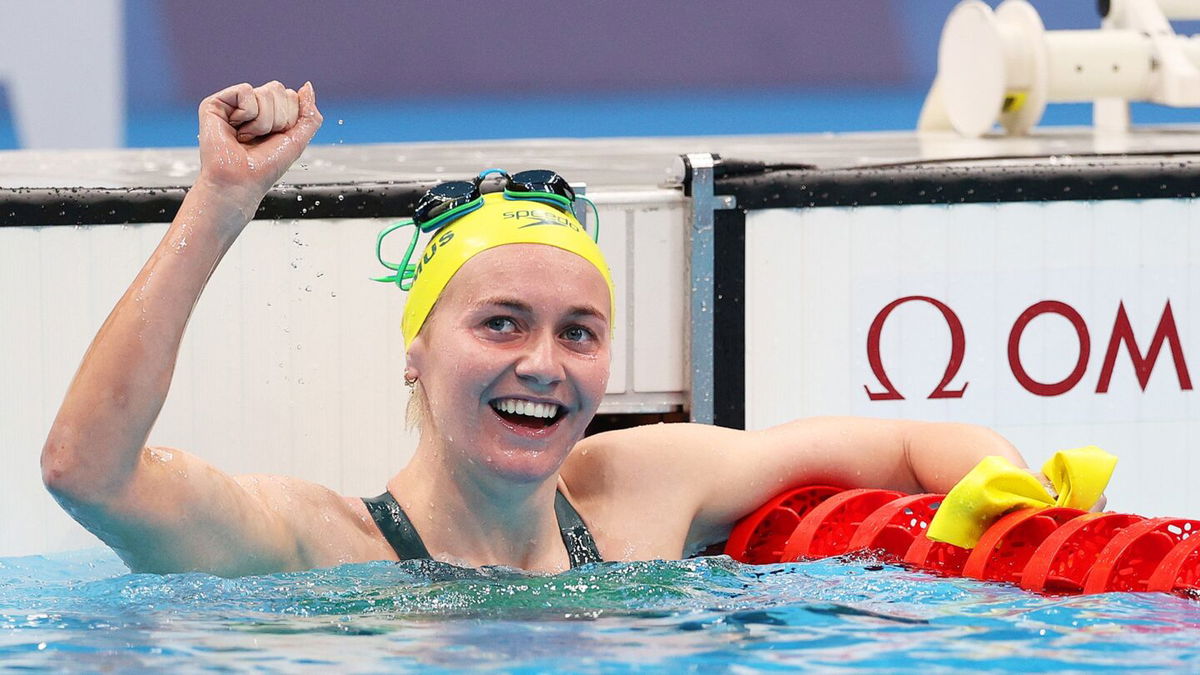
[249, 136]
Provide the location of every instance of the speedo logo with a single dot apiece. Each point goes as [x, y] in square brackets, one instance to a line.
[441, 241]
[540, 217]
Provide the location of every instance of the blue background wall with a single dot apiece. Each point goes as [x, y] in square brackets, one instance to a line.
[393, 70]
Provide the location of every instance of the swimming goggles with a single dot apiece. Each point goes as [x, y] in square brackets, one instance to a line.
[446, 202]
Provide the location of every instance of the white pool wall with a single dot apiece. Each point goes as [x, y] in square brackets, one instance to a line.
[293, 360]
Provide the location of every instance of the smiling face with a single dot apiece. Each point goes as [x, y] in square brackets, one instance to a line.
[514, 360]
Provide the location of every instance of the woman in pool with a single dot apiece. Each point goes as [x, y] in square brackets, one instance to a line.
[508, 368]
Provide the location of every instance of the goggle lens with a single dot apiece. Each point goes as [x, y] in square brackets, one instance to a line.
[542, 180]
[442, 198]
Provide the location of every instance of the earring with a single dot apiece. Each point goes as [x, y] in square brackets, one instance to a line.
[410, 382]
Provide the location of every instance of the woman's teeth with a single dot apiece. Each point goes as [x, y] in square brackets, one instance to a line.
[515, 406]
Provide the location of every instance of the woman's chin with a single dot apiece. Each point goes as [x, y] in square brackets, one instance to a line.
[524, 465]
[525, 477]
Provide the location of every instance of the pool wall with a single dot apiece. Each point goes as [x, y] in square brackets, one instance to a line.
[1060, 324]
[1055, 299]
[292, 361]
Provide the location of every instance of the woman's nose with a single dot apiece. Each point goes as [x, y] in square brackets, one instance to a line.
[539, 364]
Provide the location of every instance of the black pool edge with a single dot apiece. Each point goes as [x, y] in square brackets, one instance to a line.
[36, 207]
[1090, 179]
[729, 319]
[1057, 179]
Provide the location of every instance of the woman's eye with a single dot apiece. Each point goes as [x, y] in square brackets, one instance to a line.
[577, 334]
[500, 324]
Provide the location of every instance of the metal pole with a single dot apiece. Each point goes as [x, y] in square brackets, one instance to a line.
[700, 269]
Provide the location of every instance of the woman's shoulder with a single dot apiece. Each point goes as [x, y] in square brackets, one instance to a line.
[621, 446]
[330, 528]
[626, 458]
[618, 477]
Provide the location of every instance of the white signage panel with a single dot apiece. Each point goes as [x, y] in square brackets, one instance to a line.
[1060, 324]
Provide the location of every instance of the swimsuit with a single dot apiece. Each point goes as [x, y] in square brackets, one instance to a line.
[400, 533]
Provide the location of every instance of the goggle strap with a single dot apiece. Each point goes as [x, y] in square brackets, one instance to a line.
[379, 242]
[595, 217]
[404, 271]
[391, 278]
[543, 197]
[488, 172]
[462, 209]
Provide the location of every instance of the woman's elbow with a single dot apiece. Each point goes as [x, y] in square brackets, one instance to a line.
[63, 472]
[993, 443]
[58, 464]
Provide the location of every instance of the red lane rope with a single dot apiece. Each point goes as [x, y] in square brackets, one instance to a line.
[828, 528]
[1062, 562]
[891, 528]
[1053, 550]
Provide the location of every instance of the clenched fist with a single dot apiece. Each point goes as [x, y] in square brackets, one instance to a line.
[249, 136]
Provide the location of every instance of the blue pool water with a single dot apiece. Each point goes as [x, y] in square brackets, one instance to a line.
[84, 611]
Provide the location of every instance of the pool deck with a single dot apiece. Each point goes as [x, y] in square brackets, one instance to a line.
[605, 165]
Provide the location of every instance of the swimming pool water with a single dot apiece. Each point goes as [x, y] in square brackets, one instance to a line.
[85, 611]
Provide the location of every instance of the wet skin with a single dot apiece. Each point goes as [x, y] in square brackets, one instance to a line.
[519, 322]
[523, 321]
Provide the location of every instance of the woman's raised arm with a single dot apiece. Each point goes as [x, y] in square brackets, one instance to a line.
[164, 510]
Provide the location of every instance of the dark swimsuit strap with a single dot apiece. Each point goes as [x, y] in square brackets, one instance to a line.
[393, 522]
[400, 533]
[580, 546]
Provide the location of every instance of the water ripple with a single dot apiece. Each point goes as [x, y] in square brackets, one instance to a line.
[85, 611]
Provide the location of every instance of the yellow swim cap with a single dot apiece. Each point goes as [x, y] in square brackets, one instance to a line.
[499, 221]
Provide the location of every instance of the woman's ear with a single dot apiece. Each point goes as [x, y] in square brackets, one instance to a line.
[413, 358]
[412, 373]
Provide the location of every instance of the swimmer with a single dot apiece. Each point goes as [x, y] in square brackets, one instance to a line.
[508, 331]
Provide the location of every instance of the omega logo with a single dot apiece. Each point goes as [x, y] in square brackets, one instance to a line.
[1166, 333]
